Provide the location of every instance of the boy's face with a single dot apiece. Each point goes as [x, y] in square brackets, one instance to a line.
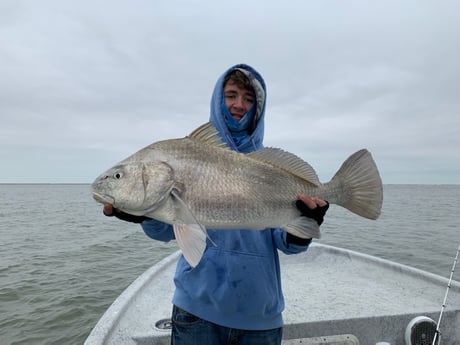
[238, 100]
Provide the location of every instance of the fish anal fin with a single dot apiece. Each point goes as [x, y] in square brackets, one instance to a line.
[303, 227]
[192, 242]
[288, 162]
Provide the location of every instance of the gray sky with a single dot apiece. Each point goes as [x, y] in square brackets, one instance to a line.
[83, 84]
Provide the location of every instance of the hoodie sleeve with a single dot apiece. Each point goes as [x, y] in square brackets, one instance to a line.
[279, 237]
[158, 230]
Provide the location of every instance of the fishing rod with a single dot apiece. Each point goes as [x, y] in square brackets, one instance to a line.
[445, 298]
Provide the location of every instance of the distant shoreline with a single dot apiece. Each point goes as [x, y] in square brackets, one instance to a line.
[44, 183]
[89, 183]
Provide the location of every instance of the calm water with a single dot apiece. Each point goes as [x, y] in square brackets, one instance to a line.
[62, 262]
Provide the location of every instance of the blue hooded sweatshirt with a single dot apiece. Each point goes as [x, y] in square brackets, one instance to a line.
[237, 283]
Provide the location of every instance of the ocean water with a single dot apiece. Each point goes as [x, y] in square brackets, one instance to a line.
[62, 263]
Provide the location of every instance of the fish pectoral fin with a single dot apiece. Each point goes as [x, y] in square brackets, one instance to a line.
[191, 240]
[187, 214]
[303, 227]
[191, 236]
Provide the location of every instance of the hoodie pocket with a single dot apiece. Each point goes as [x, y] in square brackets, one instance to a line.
[235, 282]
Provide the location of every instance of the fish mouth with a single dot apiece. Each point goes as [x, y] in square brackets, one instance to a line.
[103, 198]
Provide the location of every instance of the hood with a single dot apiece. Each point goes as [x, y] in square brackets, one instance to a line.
[217, 118]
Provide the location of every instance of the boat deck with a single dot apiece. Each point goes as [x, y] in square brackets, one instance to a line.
[328, 291]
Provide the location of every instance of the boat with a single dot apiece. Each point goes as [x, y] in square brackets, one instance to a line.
[333, 296]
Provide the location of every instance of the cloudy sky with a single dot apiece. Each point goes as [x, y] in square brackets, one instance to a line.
[83, 84]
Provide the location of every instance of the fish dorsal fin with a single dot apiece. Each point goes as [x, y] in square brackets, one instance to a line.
[207, 133]
[288, 162]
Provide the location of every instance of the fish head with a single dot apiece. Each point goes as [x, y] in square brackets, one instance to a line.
[135, 187]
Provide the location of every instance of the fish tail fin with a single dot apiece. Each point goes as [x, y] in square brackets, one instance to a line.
[360, 185]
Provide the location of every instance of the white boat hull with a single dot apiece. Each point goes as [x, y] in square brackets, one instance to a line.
[328, 291]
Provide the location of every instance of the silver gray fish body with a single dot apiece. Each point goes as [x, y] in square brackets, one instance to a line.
[197, 182]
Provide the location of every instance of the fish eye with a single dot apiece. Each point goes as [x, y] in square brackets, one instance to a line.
[118, 175]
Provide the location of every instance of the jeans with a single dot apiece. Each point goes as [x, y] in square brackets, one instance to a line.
[188, 329]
